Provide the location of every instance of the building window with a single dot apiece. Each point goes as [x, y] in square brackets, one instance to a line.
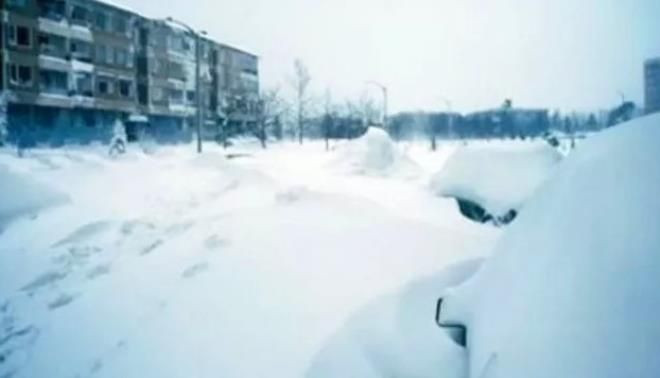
[191, 96]
[101, 20]
[20, 75]
[17, 3]
[51, 81]
[124, 57]
[101, 54]
[83, 82]
[53, 9]
[176, 96]
[176, 70]
[105, 85]
[20, 36]
[52, 44]
[126, 88]
[121, 57]
[130, 56]
[80, 15]
[119, 24]
[81, 50]
[158, 94]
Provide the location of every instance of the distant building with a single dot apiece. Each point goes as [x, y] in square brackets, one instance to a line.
[71, 68]
[652, 85]
[506, 122]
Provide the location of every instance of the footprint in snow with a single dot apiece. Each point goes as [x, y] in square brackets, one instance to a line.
[96, 367]
[76, 256]
[195, 270]
[179, 228]
[135, 226]
[45, 279]
[98, 271]
[84, 233]
[151, 247]
[61, 301]
[215, 242]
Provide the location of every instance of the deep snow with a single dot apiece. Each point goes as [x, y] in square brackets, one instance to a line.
[396, 336]
[22, 195]
[170, 264]
[572, 287]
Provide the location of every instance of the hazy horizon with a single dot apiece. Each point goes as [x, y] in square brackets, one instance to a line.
[561, 55]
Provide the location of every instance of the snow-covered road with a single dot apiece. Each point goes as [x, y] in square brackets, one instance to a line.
[176, 265]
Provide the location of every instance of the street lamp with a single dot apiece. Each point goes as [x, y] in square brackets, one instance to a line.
[384, 89]
[198, 87]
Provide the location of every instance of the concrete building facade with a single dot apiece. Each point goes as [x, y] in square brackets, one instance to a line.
[652, 85]
[72, 68]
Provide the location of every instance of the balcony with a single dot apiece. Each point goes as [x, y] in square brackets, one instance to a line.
[53, 82]
[54, 10]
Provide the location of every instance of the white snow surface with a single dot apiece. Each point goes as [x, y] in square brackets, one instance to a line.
[497, 176]
[396, 336]
[21, 195]
[374, 154]
[171, 264]
[572, 287]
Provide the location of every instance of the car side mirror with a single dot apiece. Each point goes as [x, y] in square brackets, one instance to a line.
[457, 332]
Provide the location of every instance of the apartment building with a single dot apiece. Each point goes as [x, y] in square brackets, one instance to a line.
[72, 68]
[652, 85]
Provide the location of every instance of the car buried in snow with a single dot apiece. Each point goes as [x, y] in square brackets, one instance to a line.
[571, 289]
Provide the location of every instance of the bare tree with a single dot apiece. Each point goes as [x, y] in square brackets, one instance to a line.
[230, 108]
[300, 83]
[269, 108]
[368, 110]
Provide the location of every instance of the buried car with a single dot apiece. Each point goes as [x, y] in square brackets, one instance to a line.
[573, 287]
[492, 183]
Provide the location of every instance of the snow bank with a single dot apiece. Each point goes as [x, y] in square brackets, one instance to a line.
[497, 178]
[396, 336]
[374, 154]
[20, 195]
[572, 288]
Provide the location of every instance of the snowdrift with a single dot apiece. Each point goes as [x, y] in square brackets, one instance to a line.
[396, 336]
[374, 154]
[572, 288]
[21, 195]
[499, 179]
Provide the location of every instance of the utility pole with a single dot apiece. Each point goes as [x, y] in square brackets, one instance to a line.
[198, 76]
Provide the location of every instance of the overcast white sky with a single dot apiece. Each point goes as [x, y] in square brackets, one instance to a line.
[569, 54]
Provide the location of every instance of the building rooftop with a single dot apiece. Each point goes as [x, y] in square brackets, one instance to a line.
[118, 4]
[652, 61]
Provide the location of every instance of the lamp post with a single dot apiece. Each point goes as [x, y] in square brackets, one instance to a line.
[385, 95]
[198, 87]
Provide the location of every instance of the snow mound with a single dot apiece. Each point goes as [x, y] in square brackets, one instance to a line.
[497, 178]
[572, 288]
[375, 154]
[21, 195]
[396, 336]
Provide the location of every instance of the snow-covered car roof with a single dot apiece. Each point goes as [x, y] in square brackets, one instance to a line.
[498, 177]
